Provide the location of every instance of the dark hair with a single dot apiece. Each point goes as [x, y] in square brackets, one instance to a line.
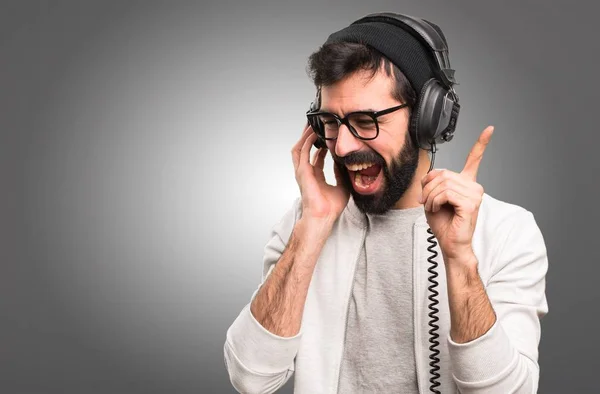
[334, 61]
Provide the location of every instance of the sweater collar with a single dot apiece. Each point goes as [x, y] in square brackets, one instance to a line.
[355, 214]
[360, 219]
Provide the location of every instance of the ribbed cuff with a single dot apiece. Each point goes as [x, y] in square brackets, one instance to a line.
[259, 349]
[487, 357]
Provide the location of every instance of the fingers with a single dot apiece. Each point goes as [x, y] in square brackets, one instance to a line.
[437, 177]
[441, 181]
[301, 156]
[306, 146]
[318, 160]
[297, 148]
[441, 186]
[476, 154]
[431, 175]
[460, 202]
[315, 157]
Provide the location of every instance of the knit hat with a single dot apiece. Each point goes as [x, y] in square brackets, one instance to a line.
[411, 56]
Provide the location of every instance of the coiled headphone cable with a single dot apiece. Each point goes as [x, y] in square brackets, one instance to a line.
[433, 302]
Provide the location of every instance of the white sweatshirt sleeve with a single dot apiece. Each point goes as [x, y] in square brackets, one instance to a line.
[257, 360]
[505, 359]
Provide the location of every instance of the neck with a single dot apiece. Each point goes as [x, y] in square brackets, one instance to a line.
[410, 198]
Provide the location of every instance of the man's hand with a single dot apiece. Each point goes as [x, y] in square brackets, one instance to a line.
[452, 202]
[279, 304]
[319, 199]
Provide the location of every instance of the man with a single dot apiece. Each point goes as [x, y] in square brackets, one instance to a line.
[344, 301]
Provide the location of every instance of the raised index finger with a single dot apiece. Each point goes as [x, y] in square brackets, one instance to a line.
[476, 154]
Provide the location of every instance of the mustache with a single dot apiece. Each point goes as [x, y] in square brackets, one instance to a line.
[359, 157]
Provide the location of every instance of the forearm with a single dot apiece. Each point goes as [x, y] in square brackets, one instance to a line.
[495, 325]
[279, 304]
[471, 312]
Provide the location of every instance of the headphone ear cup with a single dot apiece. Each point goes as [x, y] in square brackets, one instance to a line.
[425, 119]
[316, 123]
[317, 126]
[417, 131]
[319, 143]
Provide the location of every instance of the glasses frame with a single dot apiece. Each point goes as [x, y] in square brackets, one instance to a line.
[344, 120]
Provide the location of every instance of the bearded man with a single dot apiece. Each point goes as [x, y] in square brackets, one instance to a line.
[350, 301]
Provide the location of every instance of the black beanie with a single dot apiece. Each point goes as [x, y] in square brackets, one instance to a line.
[404, 50]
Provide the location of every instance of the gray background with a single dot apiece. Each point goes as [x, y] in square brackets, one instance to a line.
[140, 176]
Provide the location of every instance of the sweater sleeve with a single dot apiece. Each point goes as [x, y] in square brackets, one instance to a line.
[505, 359]
[257, 360]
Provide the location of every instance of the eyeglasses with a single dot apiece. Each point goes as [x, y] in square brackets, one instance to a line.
[362, 124]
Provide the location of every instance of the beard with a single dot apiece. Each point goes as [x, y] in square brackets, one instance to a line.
[396, 178]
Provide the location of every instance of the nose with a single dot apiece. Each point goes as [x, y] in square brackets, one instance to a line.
[346, 143]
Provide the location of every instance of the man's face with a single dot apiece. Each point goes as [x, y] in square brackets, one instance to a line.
[376, 172]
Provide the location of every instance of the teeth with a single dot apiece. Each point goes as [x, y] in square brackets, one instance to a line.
[359, 167]
[358, 180]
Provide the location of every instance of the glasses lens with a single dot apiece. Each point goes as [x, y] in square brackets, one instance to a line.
[365, 125]
[330, 126]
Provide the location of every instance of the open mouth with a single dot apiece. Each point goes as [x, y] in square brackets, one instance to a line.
[366, 177]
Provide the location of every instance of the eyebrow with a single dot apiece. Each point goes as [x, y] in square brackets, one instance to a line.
[358, 110]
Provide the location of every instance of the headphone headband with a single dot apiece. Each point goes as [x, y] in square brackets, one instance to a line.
[427, 33]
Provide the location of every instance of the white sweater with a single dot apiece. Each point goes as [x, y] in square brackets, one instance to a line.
[512, 265]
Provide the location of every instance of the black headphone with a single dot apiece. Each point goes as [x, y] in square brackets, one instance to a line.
[434, 117]
[315, 123]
